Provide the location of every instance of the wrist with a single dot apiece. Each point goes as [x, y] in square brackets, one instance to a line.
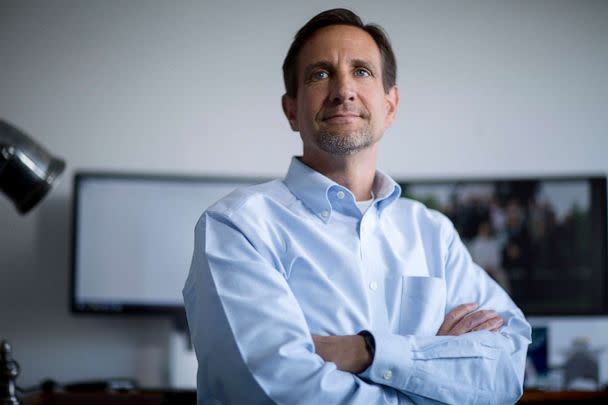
[370, 347]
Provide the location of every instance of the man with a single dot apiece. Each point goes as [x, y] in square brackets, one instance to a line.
[326, 287]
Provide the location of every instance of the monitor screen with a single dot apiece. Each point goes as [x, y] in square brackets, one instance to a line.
[542, 239]
[133, 237]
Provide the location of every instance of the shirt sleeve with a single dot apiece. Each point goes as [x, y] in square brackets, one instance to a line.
[250, 336]
[475, 368]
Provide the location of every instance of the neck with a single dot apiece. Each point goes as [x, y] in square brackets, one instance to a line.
[356, 172]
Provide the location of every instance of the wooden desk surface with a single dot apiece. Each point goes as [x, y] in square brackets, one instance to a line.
[157, 397]
[535, 397]
[145, 397]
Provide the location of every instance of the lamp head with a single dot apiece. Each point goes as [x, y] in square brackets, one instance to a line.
[27, 170]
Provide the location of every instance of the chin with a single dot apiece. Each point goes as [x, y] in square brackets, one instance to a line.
[343, 130]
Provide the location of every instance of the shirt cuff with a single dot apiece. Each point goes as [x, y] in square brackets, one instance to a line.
[392, 364]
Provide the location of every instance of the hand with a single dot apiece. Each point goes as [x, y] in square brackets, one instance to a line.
[464, 318]
[347, 352]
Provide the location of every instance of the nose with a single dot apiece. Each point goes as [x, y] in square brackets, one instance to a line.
[342, 89]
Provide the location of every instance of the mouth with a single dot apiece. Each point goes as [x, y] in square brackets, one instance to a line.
[341, 118]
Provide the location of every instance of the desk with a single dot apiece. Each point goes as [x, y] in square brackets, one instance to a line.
[158, 397]
[141, 397]
[555, 397]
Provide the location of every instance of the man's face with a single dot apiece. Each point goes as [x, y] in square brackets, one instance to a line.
[341, 106]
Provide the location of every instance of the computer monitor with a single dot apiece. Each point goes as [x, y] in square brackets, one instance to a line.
[543, 239]
[133, 238]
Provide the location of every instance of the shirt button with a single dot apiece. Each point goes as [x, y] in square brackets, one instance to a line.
[325, 214]
[373, 286]
[387, 375]
[340, 194]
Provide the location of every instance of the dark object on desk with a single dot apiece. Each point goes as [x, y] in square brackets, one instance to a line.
[9, 370]
[537, 351]
[111, 385]
[582, 364]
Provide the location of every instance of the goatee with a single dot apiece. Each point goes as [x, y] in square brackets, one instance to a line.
[344, 144]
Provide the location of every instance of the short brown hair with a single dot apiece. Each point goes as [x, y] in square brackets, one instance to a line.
[338, 16]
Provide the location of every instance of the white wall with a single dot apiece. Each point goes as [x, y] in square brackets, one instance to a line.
[488, 88]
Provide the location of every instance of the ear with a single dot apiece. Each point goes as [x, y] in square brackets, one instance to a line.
[392, 103]
[290, 108]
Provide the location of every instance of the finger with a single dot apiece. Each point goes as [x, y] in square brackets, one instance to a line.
[322, 346]
[471, 321]
[491, 325]
[454, 316]
[476, 319]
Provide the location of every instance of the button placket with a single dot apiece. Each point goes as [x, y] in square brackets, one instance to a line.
[369, 272]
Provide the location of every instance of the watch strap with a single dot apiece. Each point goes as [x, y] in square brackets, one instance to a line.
[370, 342]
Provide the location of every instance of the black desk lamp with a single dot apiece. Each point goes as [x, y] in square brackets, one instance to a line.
[27, 172]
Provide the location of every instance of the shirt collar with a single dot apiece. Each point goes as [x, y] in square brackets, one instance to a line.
[313, 188]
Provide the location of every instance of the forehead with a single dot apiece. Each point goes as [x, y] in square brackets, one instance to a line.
[339, 42]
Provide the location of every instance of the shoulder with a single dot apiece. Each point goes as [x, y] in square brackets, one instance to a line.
[253, 212]
[254, 197]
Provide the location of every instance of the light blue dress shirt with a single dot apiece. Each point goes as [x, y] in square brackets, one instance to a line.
[278, 262]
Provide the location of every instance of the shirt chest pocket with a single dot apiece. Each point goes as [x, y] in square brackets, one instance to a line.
[423, 302]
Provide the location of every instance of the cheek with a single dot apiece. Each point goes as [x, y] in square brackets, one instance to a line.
[303, 114]
[378, 108]
[310, 104]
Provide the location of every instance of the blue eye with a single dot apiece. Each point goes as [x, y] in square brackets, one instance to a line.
[362, 72]
[320, 75]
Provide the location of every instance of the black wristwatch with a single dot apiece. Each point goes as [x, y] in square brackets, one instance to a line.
[370, 342]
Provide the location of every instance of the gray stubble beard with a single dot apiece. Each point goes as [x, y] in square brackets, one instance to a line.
[344, 144]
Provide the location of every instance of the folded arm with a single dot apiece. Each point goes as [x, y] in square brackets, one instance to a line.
[352, 354]
[250, 335]
[478, 366]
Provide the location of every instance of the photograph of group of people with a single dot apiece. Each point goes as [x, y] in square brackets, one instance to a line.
[524, 233]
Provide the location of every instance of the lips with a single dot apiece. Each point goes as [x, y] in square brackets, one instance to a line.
[341, 117]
